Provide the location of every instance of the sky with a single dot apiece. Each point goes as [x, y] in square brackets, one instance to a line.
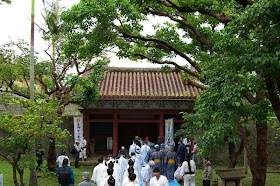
[15, 24]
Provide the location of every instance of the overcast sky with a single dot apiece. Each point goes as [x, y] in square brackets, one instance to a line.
[15, 24]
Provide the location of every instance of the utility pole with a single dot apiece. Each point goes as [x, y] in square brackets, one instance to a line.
[32, 52]
[33, 175]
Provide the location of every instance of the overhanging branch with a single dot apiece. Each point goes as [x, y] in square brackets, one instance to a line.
[194, 74]
[164, 43]
[219, 16]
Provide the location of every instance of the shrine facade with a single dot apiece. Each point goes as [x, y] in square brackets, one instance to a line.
[136, 102]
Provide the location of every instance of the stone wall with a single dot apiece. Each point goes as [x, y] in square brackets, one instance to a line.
[220, 156]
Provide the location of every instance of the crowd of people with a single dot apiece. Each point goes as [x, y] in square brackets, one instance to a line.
[144, 163]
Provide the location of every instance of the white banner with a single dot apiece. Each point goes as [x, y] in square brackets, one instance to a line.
[78, 128]
[169, 132]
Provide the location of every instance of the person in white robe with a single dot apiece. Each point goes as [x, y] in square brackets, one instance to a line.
[132, 148]
[188, 172]
[144, 150]
[158, 179]
[60, 159]
[83, 146]
[131, 180]
[123, 163]
[110, 159]
[98, 172]
[139, 160]
[147, 173]
[107, 174]
[177, 173]
[126, 174]
[117, 174]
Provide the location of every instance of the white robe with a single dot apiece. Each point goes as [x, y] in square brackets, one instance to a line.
[132, 148]
[111, 159]
[129, 183]
[117, 174]
[123, 165]
[139, 163]
[189, 179]
[162, 181]
[60, 159]
[83, 154]
[144, 150]
[98, 172]
[126, 179]
[177, 175]
[146, 175]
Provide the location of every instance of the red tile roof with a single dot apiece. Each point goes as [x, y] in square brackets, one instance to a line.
[145, 83]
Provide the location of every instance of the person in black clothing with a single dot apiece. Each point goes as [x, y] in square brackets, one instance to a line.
[181, 151]
[39, 155]
[77, 151]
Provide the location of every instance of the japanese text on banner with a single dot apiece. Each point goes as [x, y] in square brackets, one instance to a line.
[78, 128]
[169, 132]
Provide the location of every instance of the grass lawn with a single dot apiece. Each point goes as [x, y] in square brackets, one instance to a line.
[49, 179]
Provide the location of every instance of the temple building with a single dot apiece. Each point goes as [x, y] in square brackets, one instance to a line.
[136, 102]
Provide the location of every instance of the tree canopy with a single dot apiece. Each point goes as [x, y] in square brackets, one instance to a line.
[230, 49]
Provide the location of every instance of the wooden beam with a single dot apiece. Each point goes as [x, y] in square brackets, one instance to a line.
[138, 121]
[86, 128]
[100, 120]
[115, 133]
[136, 111]
[161, 126]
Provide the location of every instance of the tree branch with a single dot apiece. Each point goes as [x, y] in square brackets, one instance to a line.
[245, 3]
[171, 63]
[45, 87]
[272, 95]
[254, 100]
[169, 46]
[183, 22]
[219, 16]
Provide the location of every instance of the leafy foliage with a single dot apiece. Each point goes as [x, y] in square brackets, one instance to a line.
[5, 1]
[37, 121]
[231, 46]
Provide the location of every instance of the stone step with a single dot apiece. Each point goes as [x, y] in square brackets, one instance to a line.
[88, 163]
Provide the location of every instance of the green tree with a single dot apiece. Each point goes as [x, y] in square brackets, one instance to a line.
[5, 1]
[60, 80]
[36, 120]
[243, 34]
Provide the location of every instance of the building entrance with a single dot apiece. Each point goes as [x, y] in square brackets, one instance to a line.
[128, 131]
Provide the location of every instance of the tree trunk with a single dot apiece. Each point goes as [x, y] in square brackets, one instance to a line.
[15, 175]
[234, 156]
[259, 176]
[273, 96]
[52, 150]
[258, 163]
[21, 172]
[52, 155]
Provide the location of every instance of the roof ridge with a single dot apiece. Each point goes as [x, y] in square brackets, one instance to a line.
[134, 69]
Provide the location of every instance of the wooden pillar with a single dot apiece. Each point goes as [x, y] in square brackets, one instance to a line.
[161, 126]
[86, 127]
[115, 133]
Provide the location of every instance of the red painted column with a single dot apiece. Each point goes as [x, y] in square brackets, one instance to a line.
[161, 126]
[115, 133]
[86, 126]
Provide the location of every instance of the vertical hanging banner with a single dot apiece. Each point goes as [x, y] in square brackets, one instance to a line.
[169, 132]
[78, 128]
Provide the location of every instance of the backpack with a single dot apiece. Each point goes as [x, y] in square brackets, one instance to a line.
[64, 176]
[73, 150]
